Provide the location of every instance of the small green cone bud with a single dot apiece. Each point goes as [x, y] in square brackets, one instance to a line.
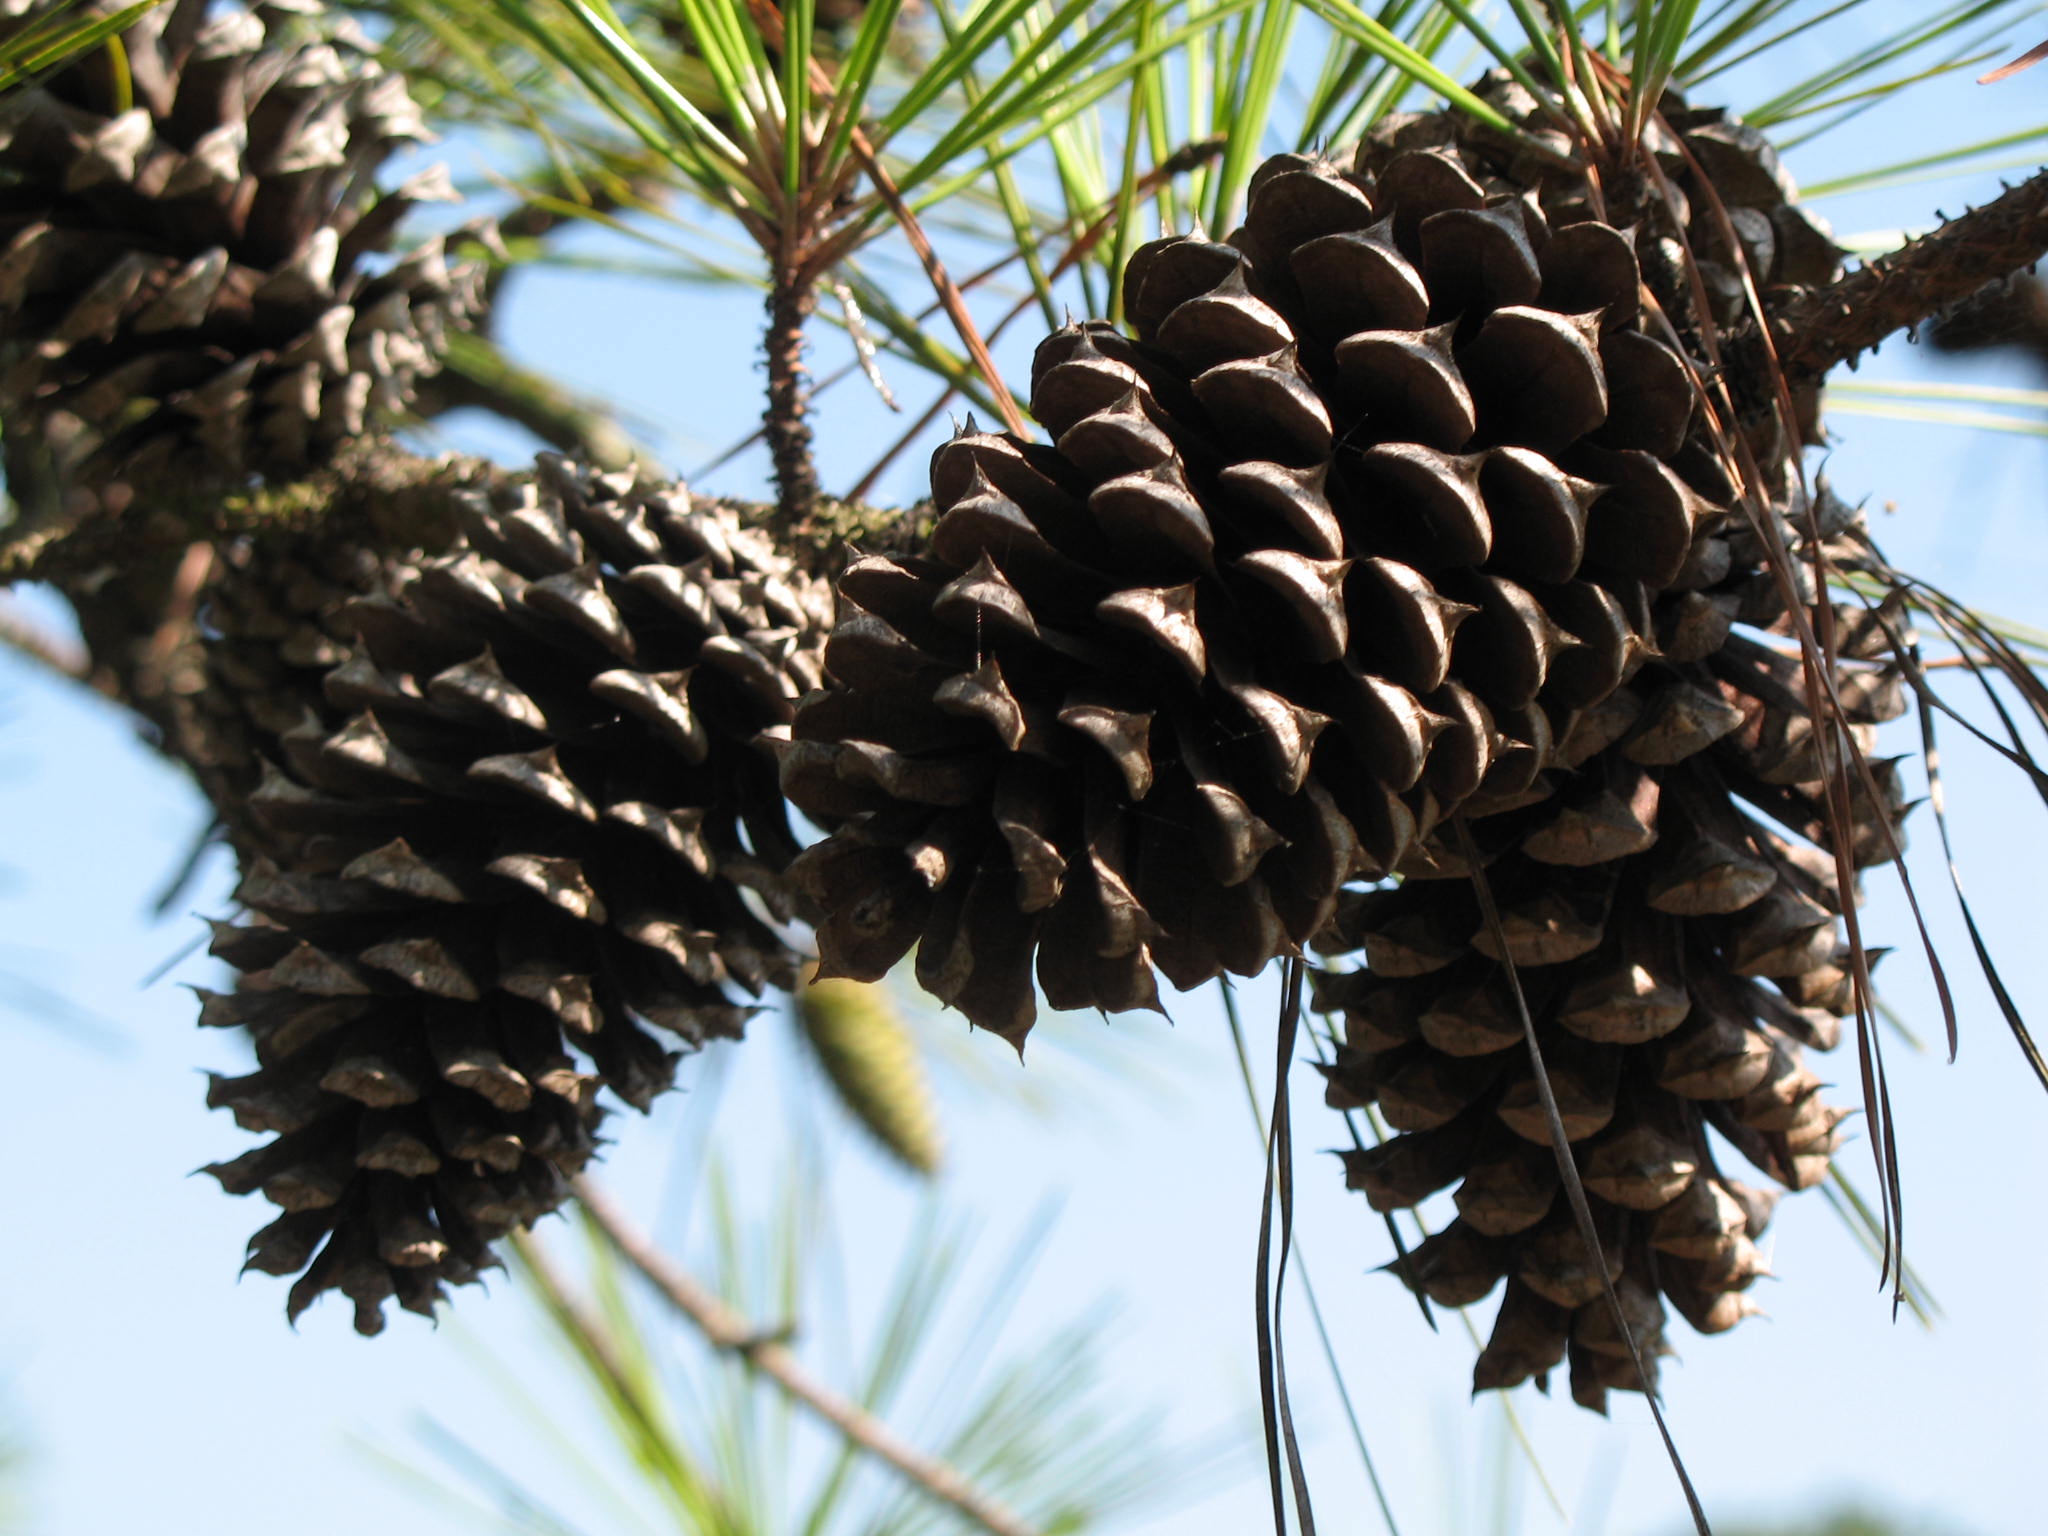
[858, 1037]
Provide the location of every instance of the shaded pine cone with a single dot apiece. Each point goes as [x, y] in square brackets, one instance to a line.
[182, 283]
[540, 812]
[1363, 523]
[1672, 909]
[1709, 155]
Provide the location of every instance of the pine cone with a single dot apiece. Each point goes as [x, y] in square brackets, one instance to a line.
[1671, 906]
[182, 287]
[1363, 523]
[541, 810]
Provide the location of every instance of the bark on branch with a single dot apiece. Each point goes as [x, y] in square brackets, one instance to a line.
[787, 424]
[376, 495]
[1853, 314]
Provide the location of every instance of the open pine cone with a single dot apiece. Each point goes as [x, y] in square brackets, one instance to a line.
[1361, 527]
[541, 811]
[1397, 510]
[1671, 902]
[182, 283]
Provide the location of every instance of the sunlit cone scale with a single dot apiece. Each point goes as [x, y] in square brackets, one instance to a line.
[1671, 905]
[183, 285]
[540, 813]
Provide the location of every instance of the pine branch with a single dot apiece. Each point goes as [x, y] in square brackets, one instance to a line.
[380, 497]
[727, 1330]
[375, 494]
[1850, 316]
[787, 422]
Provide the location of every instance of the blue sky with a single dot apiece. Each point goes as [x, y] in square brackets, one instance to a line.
[158, 1394]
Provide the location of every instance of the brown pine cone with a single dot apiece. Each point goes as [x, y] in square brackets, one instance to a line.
[1672, 909]
[1364, 521]
[539, 813]
[182, 283]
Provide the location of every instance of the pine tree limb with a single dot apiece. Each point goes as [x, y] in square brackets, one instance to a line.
[380, 497]
[725, 1329]
[787, 423]
[1850, 316]
[375, 494]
